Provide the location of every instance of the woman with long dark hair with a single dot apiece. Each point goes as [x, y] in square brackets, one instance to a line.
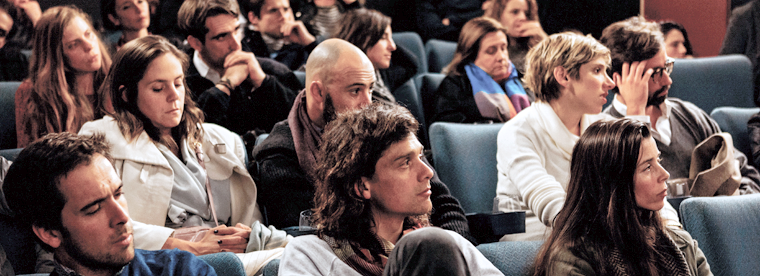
[610, 223]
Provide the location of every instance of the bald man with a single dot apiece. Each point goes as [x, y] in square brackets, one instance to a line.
[339, 77]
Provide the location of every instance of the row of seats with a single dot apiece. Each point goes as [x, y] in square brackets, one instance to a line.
[725, 228]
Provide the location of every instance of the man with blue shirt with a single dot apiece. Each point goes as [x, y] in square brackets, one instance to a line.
[65, 189]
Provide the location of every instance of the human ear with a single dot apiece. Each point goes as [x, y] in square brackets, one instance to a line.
[362, 188]
[195, 43]
[123, 91]
[52, 238]
[114, 19]
[253, 18]
[560, 74]
[316, 88]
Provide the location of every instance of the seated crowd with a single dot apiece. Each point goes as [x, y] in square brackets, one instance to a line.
[167, 122]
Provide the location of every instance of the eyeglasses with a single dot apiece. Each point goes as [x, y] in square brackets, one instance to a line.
[657, 74]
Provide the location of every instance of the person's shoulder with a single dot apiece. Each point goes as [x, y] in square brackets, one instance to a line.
[280, 139]
[102, 125]
[173, 259]
[678, 105]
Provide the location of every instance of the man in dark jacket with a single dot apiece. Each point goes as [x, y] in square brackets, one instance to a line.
[229, 85]
[339, 77]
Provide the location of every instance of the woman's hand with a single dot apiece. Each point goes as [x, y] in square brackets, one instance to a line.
[530, 29]
[633, 85]
[218, 239]
[31, 8]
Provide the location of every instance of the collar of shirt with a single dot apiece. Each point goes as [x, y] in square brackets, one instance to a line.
[662, 131]
[204, 69]
[63, 270]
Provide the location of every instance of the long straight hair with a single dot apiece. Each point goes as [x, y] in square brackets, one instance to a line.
[55, 105]
[600, 212]
[130, 65]
[468, 44]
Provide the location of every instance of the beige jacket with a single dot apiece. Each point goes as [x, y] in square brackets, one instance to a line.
[148, 178]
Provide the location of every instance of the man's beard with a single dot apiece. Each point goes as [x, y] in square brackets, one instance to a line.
[95, 261]
[658, 97]
[329, 114]
[213, 63]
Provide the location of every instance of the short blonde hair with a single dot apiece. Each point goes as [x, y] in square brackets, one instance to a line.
[568, 50]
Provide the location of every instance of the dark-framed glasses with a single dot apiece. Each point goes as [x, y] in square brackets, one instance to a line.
[657, 74]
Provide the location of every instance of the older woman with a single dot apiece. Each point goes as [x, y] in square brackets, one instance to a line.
[524, 31]
[68, 64]
[481, 82]
[178, 172]
[370, 30]
[611, 224]
[568, 72]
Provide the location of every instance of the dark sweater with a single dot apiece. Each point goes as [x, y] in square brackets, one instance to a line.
[285, 190]
[690, 126]
[293, 55]
[246, 109]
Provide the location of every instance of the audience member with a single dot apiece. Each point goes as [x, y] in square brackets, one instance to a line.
[481, 82]
[127, 19]
[68, 64]
[677, 43]
[370, 30]
[677, 126]
[178, 172]
[754, 136]
[276, 34]
[230, 86]
[15, 65]
[322, 17]
[743, 37]
[66, 191]
[27, 14]
[610, 223]
[444, 19]
[372, 199]
[520, 18]
[339, 77]
[568, 73]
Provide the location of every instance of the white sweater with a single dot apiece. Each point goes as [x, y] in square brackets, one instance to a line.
[533, 161]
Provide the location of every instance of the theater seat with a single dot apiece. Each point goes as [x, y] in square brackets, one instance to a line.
[427, 84]
[8, 114]
[713, 81]
[225, 263]
[465, 159]
[734, 120]
[439, 54]
[408, 96]
[512, 257]
[412, 42]
[726, 229]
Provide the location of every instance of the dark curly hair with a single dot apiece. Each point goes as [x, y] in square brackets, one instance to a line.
[352, 145]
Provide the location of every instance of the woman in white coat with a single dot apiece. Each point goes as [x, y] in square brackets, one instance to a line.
[178, 172]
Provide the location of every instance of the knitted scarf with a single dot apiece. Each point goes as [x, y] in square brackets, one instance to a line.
[362, 260]
[490, 97]
[669, 258]
[306, 136]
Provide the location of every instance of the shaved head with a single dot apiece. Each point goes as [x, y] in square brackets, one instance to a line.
[339, 73]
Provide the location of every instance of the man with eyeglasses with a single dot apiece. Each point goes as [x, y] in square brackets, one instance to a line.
[677, 126]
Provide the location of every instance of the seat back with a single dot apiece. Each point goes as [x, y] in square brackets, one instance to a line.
[301, 76]
[726, 229]
[439, 54]
[713, 81]
[427, 85]
[465, 159]
[8, 114]
[734, 120]
[225, 263]
[413, 42]
[408, 96]
[512, 257]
